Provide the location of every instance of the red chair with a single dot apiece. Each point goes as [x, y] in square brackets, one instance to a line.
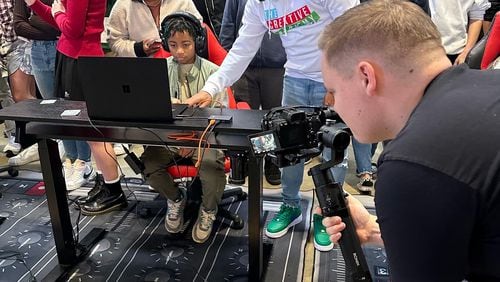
[182, 172]
[492, 48]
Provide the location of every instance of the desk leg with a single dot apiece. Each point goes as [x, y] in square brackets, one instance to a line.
[255, 248]
[55, 188]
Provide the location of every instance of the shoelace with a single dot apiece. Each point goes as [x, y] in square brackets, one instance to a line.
[284, 213]
[97, 186]
[174, 208]
[206, 219]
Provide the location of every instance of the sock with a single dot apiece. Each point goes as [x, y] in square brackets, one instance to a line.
[114, 188]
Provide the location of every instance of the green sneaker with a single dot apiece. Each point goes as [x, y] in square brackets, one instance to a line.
[287, 217]
[321, 238]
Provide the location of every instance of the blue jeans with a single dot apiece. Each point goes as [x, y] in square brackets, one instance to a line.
[43, 61]
[77, 150]
[363, 156]
[300, 91]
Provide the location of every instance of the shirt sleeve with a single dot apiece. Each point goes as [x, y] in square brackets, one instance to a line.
[119, 38]
[72, 22]
[426, 219]
[44, 12]
[478, 9]
[338, 7]
[242, 52]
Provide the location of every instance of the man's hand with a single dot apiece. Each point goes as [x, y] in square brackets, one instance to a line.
[366, 226]
[201, 99]
[57, 7]
[29, 2]
[151, 46]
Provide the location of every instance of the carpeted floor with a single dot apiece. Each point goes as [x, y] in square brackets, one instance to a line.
[137, 246]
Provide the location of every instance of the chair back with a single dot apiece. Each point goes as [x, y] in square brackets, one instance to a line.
[492, 48]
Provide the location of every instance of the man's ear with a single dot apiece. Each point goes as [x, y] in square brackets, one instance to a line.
[368, 80]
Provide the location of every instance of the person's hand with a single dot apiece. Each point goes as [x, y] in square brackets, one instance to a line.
[461, 58]
[329, 99]
[57, 7]
[185, 152]
[175, 100]
[201, 99]
[151, 46]
[29, 2]
[365, 224]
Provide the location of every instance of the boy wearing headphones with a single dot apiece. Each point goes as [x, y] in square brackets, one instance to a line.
[182, 35]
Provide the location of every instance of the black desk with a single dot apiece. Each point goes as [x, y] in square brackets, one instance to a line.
[43, 122]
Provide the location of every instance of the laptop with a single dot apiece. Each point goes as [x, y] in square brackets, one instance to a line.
[131, 90]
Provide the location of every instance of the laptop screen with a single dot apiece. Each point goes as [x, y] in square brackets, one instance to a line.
[134, 90]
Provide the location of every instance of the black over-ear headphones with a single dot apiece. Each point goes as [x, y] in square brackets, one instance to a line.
[166, 26]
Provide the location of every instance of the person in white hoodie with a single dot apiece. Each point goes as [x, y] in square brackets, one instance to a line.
[460, 23]
[133, 25]
[299, 24]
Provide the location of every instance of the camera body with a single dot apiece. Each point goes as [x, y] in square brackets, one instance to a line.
[297, 132]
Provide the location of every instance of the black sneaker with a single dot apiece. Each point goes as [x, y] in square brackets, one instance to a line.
[99, 182]
[272, 172]
[104, 202]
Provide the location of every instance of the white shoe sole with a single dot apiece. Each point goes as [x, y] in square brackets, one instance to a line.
[323, 248]
[284, 231]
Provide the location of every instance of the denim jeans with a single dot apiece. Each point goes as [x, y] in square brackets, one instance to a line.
[301, 91]
[43, 61]
[77, 150]
[363, 156]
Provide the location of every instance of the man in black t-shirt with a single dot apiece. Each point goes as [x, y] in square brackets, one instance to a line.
[438, 189]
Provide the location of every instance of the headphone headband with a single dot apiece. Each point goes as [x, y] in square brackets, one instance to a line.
[166, 25]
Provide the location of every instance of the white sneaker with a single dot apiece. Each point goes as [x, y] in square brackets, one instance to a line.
[203, 226]
[67, 169]
[82, 173]
[174, 219]
[12, 148]
[118, 148]
[60, 146]
[27, 155]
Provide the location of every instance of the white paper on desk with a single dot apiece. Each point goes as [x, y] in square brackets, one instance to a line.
[50, 101]
[68, 113]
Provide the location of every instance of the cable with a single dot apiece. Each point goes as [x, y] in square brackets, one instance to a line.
[210, 124]
[19, 257]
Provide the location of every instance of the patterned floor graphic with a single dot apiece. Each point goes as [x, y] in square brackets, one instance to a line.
[137, 246]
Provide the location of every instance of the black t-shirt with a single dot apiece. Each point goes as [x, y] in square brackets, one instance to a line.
[438, 191]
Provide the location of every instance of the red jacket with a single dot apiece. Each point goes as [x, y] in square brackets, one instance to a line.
[81, 26]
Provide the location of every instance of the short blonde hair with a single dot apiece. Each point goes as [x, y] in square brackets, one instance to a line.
[396, 30]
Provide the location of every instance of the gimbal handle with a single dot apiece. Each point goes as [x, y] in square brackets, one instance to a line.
[332, 200]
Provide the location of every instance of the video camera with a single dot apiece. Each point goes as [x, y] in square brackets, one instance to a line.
[298, 132]
[294, 133]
